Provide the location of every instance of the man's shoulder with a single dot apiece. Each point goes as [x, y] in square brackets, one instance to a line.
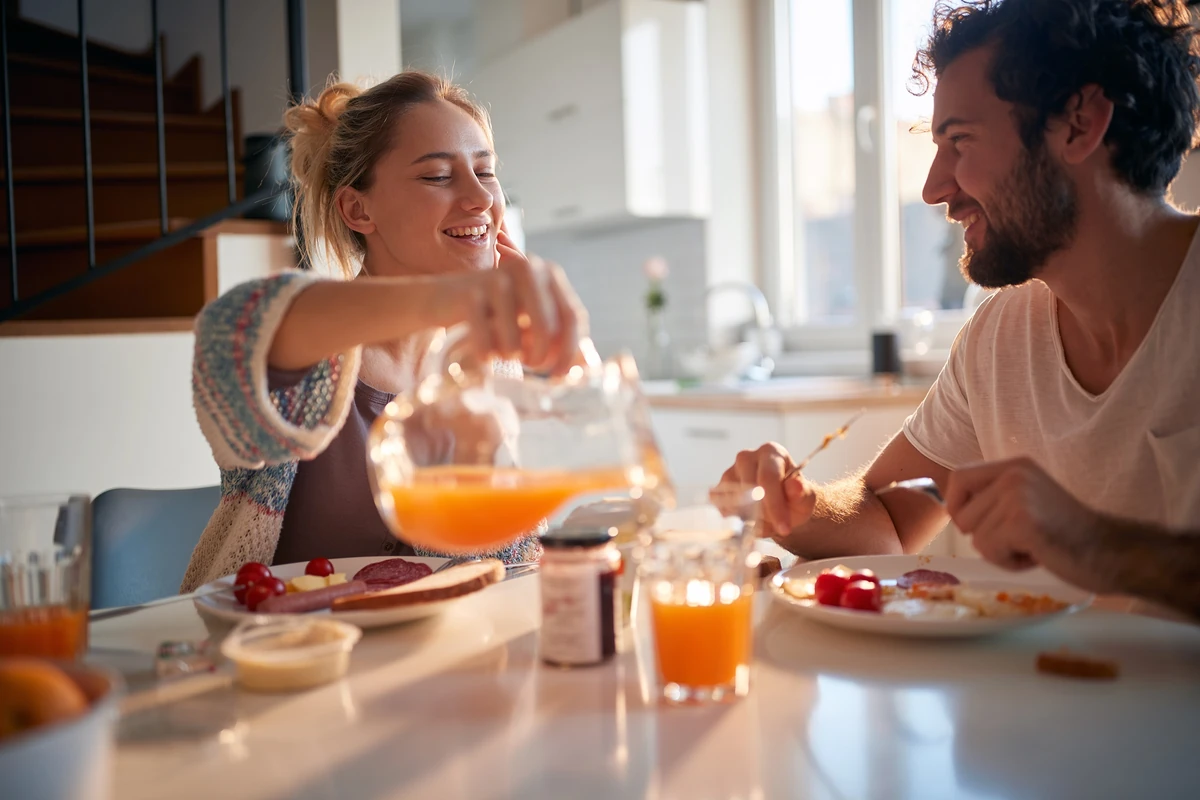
[1010, 305]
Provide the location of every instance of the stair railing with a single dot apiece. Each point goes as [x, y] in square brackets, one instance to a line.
[298, 79]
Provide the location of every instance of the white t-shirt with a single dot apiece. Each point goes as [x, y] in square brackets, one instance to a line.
[1131, 451]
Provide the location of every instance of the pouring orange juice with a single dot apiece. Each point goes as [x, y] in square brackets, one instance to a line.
[470, 462]
[465, 508]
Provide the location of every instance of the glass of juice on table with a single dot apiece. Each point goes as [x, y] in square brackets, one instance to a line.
[471, 460]
[45, 571]
[698, 574]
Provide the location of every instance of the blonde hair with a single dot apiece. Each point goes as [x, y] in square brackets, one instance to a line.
[336, 141]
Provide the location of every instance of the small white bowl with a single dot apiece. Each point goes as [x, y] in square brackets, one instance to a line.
[70, 759]
[287, 654]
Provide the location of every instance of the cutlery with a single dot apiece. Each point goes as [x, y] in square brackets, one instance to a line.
[840, 433]
[924, 485]
[109, 613]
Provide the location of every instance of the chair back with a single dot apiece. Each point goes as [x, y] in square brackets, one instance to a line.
[142, 540]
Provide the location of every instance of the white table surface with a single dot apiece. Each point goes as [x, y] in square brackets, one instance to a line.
[460, 706]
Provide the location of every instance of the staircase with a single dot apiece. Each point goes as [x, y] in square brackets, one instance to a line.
[169, 286]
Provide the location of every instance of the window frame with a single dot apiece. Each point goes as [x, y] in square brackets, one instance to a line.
[877, 260]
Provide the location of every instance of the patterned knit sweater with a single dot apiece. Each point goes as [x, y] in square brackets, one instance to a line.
[258, 436]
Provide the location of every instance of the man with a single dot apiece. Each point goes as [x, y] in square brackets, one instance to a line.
[1065, 427]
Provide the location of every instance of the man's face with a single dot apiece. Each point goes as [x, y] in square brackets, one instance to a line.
[1018, 205]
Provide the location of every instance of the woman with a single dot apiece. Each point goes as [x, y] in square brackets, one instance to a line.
[397, 184]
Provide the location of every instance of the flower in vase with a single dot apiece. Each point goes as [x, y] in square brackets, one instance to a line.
[656, 272]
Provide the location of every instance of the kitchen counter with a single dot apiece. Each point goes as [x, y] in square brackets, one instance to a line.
[460, 706]
[786, 395]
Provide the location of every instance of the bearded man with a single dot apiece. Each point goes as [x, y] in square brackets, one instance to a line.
[1064, 429]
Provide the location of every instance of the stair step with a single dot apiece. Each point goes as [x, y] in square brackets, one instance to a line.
[107, 233]
[53, 197]
[169, 283]
[44, 137]
[27, 36]
[38, 81]
[182, 170]
[89, 327]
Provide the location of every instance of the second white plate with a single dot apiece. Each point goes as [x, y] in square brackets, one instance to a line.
[976, 572]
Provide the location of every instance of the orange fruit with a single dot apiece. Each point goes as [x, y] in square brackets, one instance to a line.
[35, 693]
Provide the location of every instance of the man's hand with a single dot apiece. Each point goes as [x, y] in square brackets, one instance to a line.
[786, 504]
[1019, 517]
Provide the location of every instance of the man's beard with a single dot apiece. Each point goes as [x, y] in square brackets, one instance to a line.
[1034, 215]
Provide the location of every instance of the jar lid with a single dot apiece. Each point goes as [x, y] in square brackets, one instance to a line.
[569, 538]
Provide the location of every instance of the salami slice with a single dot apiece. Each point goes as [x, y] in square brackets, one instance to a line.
[928, 577]
[391, 573]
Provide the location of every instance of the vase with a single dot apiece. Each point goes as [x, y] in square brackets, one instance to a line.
[659, 360]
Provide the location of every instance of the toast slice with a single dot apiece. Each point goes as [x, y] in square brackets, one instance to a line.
[453, 582]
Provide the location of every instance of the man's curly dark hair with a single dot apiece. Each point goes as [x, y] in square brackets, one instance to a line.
[1142, 53]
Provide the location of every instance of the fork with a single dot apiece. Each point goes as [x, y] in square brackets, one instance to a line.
[829, 437]
[925, 486]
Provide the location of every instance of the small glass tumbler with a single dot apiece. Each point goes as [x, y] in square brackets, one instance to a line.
[45, 575]
[699, 582]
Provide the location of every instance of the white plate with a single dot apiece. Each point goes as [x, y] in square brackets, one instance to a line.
[223, 605]
[973, 571]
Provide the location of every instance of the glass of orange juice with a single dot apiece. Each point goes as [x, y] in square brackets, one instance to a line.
[471, 460]
[45, 552]
[699, 581]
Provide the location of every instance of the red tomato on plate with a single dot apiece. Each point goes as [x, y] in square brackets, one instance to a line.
[863, 596]
[864, 575]
[829, 587]
[261, 590]
[321, 567]
[250, 573]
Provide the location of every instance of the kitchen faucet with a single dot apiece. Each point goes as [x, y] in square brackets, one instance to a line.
[763, 324]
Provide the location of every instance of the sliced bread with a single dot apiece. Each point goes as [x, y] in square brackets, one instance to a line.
[453, 582]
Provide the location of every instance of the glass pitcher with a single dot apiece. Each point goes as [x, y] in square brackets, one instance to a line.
[471, 461]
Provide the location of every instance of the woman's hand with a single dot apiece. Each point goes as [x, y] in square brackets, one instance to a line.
[552, 322]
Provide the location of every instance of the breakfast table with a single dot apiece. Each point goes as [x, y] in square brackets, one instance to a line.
[460, 705]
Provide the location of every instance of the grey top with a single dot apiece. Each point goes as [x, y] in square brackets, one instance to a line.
[330, 512]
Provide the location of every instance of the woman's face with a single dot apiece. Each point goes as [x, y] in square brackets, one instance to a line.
[434, 204]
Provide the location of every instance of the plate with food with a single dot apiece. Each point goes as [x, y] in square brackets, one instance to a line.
[923, 596]
[367, 592]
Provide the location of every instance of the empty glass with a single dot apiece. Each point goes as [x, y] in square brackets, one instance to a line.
[471, 461]
[45, 571]
[698, 574]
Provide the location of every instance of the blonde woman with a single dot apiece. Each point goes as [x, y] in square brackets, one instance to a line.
[397, 187]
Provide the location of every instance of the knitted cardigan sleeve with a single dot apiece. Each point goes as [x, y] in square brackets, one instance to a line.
[246, 424]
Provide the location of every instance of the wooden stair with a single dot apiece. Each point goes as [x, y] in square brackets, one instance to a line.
[49, 187]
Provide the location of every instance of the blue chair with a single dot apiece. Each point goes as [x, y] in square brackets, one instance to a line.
[142, 540]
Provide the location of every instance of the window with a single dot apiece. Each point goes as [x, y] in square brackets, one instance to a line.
[929, 245]
[851, 245]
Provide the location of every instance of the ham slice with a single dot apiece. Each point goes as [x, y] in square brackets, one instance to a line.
[452, 582]
[927, 577]
[391, 572]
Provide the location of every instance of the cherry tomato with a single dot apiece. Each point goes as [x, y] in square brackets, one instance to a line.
[261, 590]
[321, 567]
[252, 571]
[828, 588]
[862, 595]
[864, 575]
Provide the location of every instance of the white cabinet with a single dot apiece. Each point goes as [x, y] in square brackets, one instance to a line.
[699, 445]
[603, 118]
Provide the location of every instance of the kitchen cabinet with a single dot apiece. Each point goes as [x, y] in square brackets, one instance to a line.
[700, 437]
[603, 119]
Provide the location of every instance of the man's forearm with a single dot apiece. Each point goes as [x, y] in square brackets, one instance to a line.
[847, 520]
[1149, 563]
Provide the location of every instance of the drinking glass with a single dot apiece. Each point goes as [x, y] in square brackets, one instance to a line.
[699, 580]
[45, 575]
[471, 461]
